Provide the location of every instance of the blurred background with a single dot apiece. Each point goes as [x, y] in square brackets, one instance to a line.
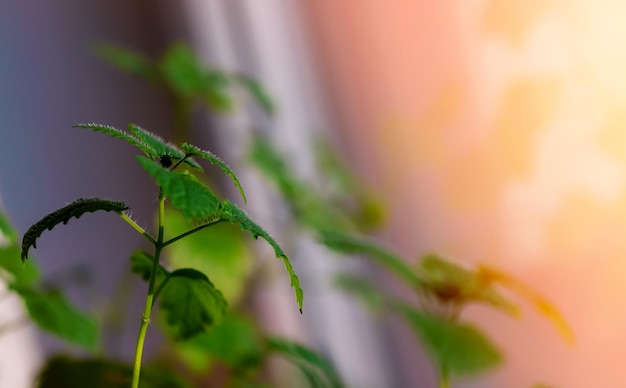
[491, 129]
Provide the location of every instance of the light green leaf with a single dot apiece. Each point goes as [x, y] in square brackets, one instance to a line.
[67, 372]
[119, 134]
[192, 151]
[141, 264]
[258, 92]
[192, 303]
[8, 235]
[347, 244]
[63, 215]
[458, 347]
[53, 313]
[219, 252]
[16, 272]
[231, 213]
[319, 372]
[236, 341]
[128, 61]
[183, 190]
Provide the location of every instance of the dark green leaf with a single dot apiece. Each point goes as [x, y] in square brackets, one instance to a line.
[128, 61]
[119, 134]
[183, 190]
[141, 264]
[192, 151]
[53, 313]
[231, 213]
[347, 244]
[63, 215]
[319, 372]
[258, 92]
[192, 303]
[67, 372]
[458, 347]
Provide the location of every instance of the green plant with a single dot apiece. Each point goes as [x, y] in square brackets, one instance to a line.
[192, 304]
[442, 288]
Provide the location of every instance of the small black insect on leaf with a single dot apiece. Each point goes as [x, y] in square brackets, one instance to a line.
[165, 161]
[63, 215]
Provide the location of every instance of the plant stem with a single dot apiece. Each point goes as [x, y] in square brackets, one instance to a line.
[145, 319]
[444, 378]
[187, 233]
[137, 227]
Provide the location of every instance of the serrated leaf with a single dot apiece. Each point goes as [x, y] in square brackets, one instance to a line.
[67, 372]
[54, 314]
[258, 93]
[63, 215]
[459, 348]
[192, 303]
[193, 151]
[347, 244]
[128, 61]
[141, 264]
[231, 213]
[119, 134]
[160, 146]
[319, 372]
[184, 191]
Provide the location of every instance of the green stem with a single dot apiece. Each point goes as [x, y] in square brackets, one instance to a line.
[194, 230]
[145, 319]
[444, 378]
[137, 228]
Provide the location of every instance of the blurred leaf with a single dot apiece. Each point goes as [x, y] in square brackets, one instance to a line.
[319, 372]
[67, 372]
[128, 61]
[258, 93]
[231, 213]
[369, 293]
[450, 282]
[183, 190]
[63, 215]
[351, 245]
[458, 347]
[192, 303]
[141, 264]
[53, 313]
[8, 236]
[219, 252]
[10, 256]
[236, 342]
[540, 303]
[189, 79]
[191, 150]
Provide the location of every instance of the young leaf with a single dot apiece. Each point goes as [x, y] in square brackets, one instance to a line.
[191, 151]
[231, 213]
[119, 134]
[161, 147]
[141, 264]
[458, 347]
[67, 372]
[450, 282]
[543, 306]
[319, 372]
[128, 61]
[184, 191]
[258, 92]
[63, 215]
[53, 313]
[192, 303]
[347, 244]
